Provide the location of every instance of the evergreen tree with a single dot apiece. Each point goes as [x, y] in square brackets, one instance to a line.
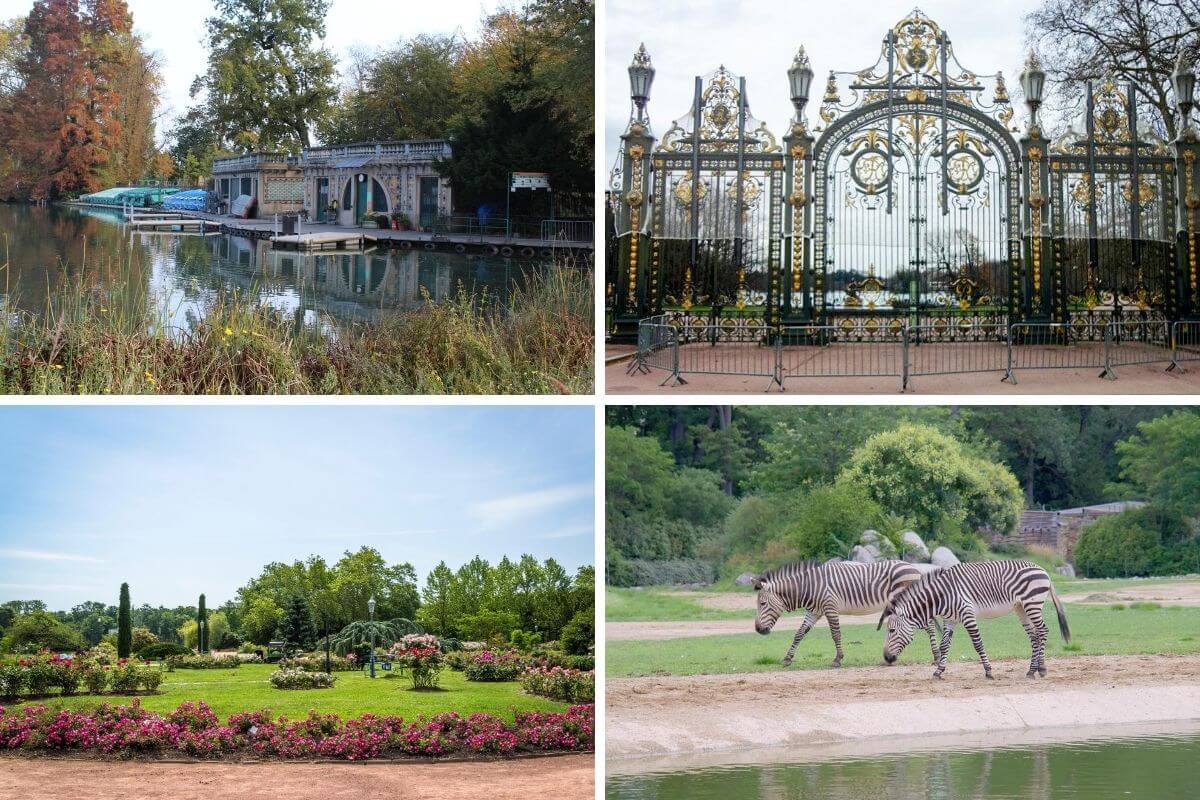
[298, 630]
[124, 625]
[202, 622]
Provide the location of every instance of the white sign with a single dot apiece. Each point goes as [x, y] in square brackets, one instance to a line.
[530, 180]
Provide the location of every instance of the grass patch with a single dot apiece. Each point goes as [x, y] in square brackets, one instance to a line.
[97, 336]
[1096, 630]
[246, 689]
[1142, 605]
[661, 604]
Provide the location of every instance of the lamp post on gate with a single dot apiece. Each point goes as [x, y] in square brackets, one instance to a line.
[371, 616]
[1184, 81]
[1033, 83]
[1039, 286]
[796, 299]
[1187, 176]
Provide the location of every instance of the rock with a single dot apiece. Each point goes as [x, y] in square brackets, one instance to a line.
[1066, 569]
[745, 579]
[869, 537]
[914, 546]
[863, 555]
[942, 557]
[882, 547]
[925, 569]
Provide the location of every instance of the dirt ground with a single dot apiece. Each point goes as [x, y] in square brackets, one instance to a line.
[665, 715]
[559, 777]
[1132, 379]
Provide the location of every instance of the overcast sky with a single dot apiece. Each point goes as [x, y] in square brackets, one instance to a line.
[182, 500]
[175, 28]
[758, 39]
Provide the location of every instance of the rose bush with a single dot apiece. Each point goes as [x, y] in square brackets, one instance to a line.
[289, 678]
[492, 665]
[315, 662]
[558, 683]
[424, 665]
[39, 674]
[194, 730]
[203, 662]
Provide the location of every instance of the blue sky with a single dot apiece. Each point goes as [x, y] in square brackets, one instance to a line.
[179, 500]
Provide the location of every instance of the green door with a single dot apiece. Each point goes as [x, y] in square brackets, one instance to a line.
[429, 202]
[360, 198]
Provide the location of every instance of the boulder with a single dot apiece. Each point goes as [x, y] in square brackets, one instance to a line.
[942, 557]
[863, 555]
[880, 546]
[1066, 569]
[745, 579]
[869, 537]
[925, 569]
[914, 546]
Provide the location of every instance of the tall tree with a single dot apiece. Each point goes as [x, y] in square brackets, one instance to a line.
[202, 626]
[124, 624]
[298, 630]
[268, 81]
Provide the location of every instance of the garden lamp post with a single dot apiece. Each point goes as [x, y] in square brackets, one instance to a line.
[800, 77]
[371, 614]
[1033, 83]
[641, 77]
[1184, 80]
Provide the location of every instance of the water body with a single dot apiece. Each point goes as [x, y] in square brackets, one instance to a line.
[1158, 766]
[180, 273]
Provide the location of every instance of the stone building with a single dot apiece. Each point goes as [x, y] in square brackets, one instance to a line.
[273, 180]
[1060, 529]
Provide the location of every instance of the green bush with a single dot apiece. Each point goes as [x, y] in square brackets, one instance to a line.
[1120, 545]
[299, 679]
[524, 640]
[12, 680]
[492, 666]
[638, 572]
[125, 678]
[30, 633]
[458, 660]
[95, 677]
[579, 634]
[150, 678]
[161, 650]
[203, 662]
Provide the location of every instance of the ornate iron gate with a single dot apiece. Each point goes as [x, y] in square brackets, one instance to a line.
[916, 190]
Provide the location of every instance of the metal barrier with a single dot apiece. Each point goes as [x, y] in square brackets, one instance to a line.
[947, 350]
[1138, 342]
[658, 348]
[568, 230]
[1052, 345]
[700, 351]
[829, 351]
[1185, 343]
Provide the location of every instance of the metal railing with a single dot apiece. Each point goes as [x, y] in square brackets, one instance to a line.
[568, 230]
[904, 352]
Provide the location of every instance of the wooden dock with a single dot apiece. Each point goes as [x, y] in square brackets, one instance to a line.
[172, 223]
[309, 242]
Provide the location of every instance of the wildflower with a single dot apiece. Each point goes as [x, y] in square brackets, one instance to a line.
[228, 331]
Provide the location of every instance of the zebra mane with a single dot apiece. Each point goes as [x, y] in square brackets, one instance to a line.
[787, 570]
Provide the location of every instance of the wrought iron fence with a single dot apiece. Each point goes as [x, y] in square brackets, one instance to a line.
[905, 352]
[568, 230]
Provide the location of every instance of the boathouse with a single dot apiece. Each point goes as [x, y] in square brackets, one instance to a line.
[273, 181]
[353, 184]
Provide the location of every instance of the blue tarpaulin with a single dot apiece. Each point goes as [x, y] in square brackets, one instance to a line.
[191, 200]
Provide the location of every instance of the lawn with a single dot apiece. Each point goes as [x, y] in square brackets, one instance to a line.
[246, 688]
[1096, 630]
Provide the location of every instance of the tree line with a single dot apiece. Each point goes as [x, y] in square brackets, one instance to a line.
[306, 599]
[697, 492]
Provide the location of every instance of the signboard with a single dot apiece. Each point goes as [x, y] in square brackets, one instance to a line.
[530, 180]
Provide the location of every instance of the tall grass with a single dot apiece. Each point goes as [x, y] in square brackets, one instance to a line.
[102, 336]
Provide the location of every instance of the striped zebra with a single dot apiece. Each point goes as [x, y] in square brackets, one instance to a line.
[828, 590]
[967, 592]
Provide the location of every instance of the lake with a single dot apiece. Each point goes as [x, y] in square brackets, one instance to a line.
[1148, 765]
[180, 273]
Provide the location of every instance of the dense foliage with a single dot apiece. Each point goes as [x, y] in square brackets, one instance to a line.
[559, 683]
[288, 678]
[697, 493]
[124, 624]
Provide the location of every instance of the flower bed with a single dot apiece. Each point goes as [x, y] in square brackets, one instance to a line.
[315, 662]
[558, 683]
[203, 662]
[194, 730]
[290, 678]
[423, 662]
[491, 665]
[36, 676]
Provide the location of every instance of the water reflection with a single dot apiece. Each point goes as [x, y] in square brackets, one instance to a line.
[181, 272]
[1147, 766]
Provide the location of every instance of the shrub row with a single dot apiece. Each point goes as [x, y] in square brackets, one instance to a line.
[289, 678]
[203, 662]
[162, 650]
[37, 675]
[642, 572]
[493, 665]
[567, 685]
[194, 730]
[315, 662]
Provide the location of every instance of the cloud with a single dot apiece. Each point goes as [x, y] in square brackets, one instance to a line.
[42, 555]
[567, 533]
[527, 504]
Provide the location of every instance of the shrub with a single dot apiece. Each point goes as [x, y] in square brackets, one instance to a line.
[30, 633]
[159, 651]
[150, 678]
[1117, 546]
[490, 665]
[524, 640]
[203, 662]
[640, 572]
[95, 676]
[103, 653]
[315, 662]
[142, 638]
[424, 665]
[125, 677]
[299, 679]
[458, 660]
[579, 635]
[12, 680]
[567, 685]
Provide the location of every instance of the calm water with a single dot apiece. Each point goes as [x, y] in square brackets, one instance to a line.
[1147, 767]
[179, 273]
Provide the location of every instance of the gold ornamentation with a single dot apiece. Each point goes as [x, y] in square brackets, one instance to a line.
[741, 289]
[1192, 202]
[687, 289]
[1036, 200]
[635, 197]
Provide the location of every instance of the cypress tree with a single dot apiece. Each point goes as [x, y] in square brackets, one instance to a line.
[202, 626]
[299, 632]
[124, 625]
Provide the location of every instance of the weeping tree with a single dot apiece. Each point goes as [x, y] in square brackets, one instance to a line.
[369, 631]
[124, 625]
[202, 626]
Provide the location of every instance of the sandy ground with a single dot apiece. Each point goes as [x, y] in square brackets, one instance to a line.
[566, 777]
[1177, 593]
[676, 715]
[1132, 379]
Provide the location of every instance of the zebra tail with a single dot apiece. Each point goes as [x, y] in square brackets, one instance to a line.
[1062, 617]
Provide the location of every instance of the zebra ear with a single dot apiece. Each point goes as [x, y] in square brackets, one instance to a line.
[757, 583]
[886, 611]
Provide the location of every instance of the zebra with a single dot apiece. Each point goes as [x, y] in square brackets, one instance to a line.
[827, 590]
[966, 592]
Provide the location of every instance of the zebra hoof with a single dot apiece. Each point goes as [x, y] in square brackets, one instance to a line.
[1042, 672]
[1031, 674]
[989, 676]
[787, 662]
[938, 674]
[837, 662]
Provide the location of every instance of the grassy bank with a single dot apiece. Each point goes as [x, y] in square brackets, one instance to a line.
[1118, 629]
[104, 341]
[229, 691]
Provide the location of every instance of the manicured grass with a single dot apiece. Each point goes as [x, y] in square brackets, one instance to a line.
[654, 604]
[228, 691]
[1096, 630]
